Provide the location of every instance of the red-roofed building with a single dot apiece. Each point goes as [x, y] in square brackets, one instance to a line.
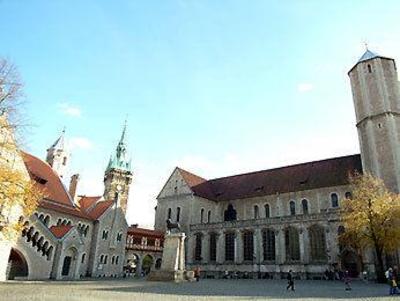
[72, 236]
[143, 250]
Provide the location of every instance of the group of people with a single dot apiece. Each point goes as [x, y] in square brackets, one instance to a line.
[392, 275]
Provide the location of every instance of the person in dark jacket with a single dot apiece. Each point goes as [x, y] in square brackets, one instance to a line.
[290, 281]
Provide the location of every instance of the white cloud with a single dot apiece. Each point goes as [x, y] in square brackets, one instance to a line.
[80, 143]
[70, 110]
[305, 87]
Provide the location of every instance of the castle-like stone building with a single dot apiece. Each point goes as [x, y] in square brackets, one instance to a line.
[70, 236]
[270, 221]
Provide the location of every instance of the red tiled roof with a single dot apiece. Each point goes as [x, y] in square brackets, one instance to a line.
[99, 209]
[60, 230]
[86, 202]
[47, 179]
[299, 177]
[145, 232]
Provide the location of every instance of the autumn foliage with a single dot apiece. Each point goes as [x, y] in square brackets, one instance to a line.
[371, 218]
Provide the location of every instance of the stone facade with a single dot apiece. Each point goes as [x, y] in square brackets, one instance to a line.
[268, 222]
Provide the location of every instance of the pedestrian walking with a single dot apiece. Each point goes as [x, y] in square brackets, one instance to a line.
[392, 281]
[347, 281]
[290, 281]
[197, 273]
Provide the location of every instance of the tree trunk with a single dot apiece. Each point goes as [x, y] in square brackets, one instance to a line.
[380, 273]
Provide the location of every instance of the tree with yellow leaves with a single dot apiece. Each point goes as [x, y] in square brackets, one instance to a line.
[18, 194]
[371, 218]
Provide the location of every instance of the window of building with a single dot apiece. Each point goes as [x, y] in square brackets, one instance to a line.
[304, 205]
[209, 216]
[105, 259]
[334, 200]
[169, 213]
[105, 235]
[101, 258]
[256, 215]
[229, 246]
[292, 244]
[248, 246]
[369, 68]
[112, 259]
[267, 211]
[213, 246]
[83, 257]
[178, 214]
[348, 195]
[230, 213]
[202, 215]
[317, 243]
[197, 249]
[119, 237]
[116, 260]
[268, 237]
[292, 207]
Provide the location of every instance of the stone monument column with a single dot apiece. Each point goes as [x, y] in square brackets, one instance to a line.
[205, 247]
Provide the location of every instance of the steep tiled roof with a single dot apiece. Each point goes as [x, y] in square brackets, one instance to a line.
[60, 230]
[299, 177]
[99, 209]
[86, 202]
[47, 179]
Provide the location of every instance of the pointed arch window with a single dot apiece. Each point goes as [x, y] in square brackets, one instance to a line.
[169, 213]
[292, 244]
[292, 208]
[267, 211]
[230, 213]
[256, 212]
[304, 205]
[178, 214]
[334, 200]
[268, 240]
[202, 215]
[317, 243]
[209, 216]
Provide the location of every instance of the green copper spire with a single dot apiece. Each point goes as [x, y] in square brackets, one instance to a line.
[120, 160]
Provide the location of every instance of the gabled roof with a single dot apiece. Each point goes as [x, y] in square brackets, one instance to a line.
[98, 210]
[299, 177]
[47, 179]
[86, 202]
[60, 231]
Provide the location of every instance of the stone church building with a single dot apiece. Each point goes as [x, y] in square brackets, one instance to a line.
[270, 221]
[70, 236]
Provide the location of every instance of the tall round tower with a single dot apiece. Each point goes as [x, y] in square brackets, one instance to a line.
[376, 95]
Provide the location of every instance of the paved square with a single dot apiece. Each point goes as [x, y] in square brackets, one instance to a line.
[133, 289]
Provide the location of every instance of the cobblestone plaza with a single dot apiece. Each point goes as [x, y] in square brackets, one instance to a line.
[134, 289]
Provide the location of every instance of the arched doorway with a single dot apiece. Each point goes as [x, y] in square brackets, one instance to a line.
[147, 263]
[69, 264]
[158, 264]
[133, 264]
[350, 263]
[17, 265]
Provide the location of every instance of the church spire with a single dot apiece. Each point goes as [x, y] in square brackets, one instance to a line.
[120, 160]
[57, 155]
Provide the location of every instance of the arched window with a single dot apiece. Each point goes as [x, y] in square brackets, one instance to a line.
[317, 243]
[268, 237]
[304, 205]
[101, 258]
[340, 231]
[112, 259]
[334, 200]
[248, 245]
[116, 260]
[292, 244]
[209, 216]
[46, 220]
[267, 211]
[292, 208]
[169, 214]
[369, 68]
[256, 215]
[197, 249]
[348, 195]
[202, 215]
[83, 257]
[178, 214]
[229, 246]
[105, 259]
[213, 246]
[230, 213]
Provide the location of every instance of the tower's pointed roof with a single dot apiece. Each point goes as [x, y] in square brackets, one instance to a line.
[120, 159]
[60, 142]
[368, 54]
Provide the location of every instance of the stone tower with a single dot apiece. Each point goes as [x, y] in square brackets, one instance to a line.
[376, 95]
[57, 155]
[118, 175]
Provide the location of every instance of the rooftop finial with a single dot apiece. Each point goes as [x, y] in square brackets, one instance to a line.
[366, 46]
[64, 128]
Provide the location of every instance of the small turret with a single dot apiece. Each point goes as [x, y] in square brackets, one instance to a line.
[57, 155]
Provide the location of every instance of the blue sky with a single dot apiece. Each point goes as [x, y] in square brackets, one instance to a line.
[216, 87]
